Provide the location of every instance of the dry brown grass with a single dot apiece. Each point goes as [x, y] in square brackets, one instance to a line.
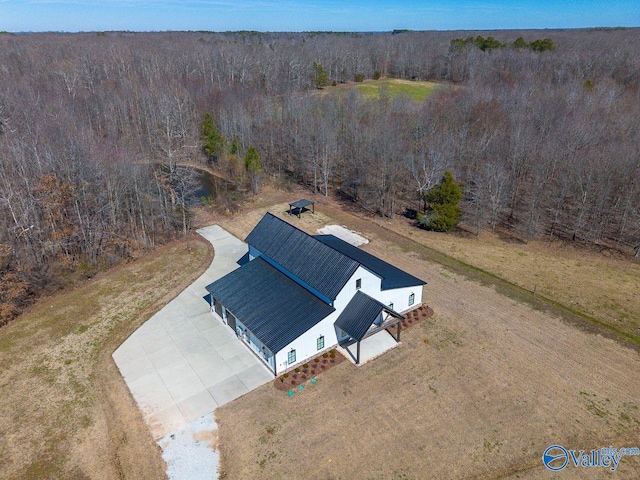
[605, 286]
[493, 385]
[65, 410]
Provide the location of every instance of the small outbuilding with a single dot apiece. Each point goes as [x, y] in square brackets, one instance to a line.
[300, 205]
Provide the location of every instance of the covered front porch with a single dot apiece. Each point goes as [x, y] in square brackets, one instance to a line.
[366, 329]
[370, 348]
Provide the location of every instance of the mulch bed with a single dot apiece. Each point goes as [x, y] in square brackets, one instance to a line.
[416, 316]
[304, 374]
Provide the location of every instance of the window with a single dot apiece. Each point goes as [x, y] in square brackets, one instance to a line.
[358, 284]
[412, 299]
[292, 357]
[320, 342]
[391, 306]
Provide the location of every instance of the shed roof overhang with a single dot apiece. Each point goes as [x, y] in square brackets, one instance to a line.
[360, 314]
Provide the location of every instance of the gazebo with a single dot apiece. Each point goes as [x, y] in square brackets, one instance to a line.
[301, 205]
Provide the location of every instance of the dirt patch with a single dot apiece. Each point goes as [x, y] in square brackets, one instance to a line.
[210, 437]
[477, 391]
[65, 408]
[343, 233]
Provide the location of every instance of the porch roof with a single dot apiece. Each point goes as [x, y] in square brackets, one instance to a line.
[360, 313]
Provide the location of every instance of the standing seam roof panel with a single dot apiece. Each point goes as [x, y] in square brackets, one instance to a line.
[323, 268]
[272, 306]
[392, 276]
[359, 315]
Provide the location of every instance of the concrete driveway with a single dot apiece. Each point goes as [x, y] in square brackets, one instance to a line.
[183, 362]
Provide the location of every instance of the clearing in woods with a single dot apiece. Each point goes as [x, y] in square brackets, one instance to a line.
[417, 90]
[480, 390]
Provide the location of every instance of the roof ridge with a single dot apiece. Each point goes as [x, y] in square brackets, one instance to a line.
[314, 238]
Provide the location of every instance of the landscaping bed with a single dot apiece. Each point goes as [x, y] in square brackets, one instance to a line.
[297, 377]
[416, 315]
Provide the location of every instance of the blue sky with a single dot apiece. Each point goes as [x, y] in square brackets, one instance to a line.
[291, 15]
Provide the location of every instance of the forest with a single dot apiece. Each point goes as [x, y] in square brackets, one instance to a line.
[97, 129]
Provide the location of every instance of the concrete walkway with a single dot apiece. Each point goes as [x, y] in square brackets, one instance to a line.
[183, 362]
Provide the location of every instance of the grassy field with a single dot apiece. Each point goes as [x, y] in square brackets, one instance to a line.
[371, 88]
[65, 410]
[604, 286]
[479, 391]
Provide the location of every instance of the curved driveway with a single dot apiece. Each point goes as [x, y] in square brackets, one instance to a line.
[183, 362]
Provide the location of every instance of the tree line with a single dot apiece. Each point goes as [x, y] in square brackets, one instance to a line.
[95, 130]
[491, 43]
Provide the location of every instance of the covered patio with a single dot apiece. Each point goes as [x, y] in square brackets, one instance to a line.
[358, 324]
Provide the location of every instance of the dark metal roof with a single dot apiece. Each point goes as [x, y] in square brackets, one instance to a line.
[392, 277]
[301, 203]
[272, 306]
[359, 315]
[323, 268]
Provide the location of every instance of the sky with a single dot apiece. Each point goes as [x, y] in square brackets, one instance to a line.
[313, 15]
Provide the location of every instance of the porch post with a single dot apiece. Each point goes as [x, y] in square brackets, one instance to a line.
[399, 325]
[358, 355]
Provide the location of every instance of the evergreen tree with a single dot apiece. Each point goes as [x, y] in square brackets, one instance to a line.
[542, 45]
[320, 78]
[254, 168]
[520, 43]
[443, 212]
[212, 141]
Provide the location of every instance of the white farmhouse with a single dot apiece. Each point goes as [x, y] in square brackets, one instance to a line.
[299, 295]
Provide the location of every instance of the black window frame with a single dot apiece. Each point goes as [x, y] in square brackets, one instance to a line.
[358, 284]
[320, 342]
[291, 356]
[412, 299]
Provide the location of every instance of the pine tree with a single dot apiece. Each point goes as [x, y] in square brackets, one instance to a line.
[443, 212]
[252, 163]
[212, 141]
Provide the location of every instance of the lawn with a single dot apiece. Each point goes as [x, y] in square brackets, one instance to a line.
[65, 409]
[478, 391]
[603, 286]
[417, 90]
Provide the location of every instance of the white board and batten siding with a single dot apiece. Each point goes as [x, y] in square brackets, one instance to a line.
[399, 297]
[306, 346]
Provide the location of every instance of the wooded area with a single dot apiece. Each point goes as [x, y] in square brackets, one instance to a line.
[94, 129]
